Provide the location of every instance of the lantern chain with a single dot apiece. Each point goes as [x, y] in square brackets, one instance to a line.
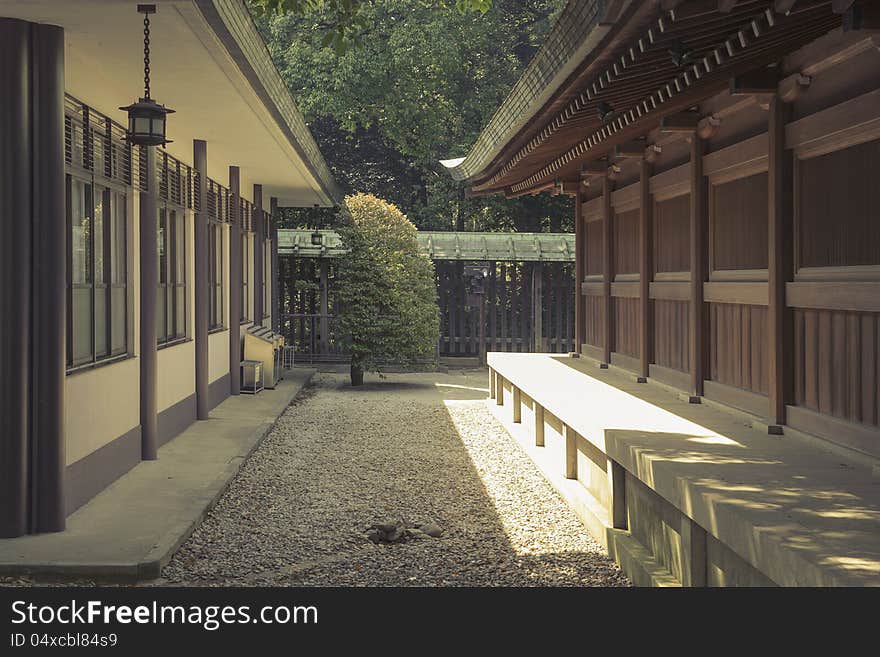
[147, 56]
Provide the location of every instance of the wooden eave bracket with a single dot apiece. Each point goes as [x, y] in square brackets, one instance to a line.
[759, 81]
[685, 122]
[791, 88]
[630, 150]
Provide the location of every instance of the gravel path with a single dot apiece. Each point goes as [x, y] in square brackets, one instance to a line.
[421, 447]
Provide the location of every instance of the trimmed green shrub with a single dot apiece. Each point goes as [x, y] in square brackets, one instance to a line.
[385, 288]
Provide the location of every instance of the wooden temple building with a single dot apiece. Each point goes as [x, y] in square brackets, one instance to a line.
[722, 420]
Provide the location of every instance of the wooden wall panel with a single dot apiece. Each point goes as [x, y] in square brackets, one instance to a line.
[671, 328]
[626, 326]
[738, 346]
[838, 207]
[739, 223]
[626, 242]
[836, 367]
[595, 259]
[671, 236]
[595, 310]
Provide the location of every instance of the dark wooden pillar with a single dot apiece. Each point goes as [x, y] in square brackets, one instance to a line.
[699, 252]
[235, 263]
[646, 272]
[259, 248]
[49, 273]
[33, 257]
[149, 292]
[538, 307]
[780, 242]
[325, 308]
[607, 268]
[580, 249]
[202, 292]
[274, 270]
[15, 295]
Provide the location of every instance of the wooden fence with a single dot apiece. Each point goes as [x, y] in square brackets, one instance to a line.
[512, 293]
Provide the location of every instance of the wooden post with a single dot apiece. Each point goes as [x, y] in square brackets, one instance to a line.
[324, 345]
[538, 307]
[491, 383]
[539, 425]
[149, 293]
[699, 221]
[646, 272]
[499, 389]
[571, 461]
[693, 549]
[235, 264]
[607, 268]
[517, 405]
[780, 242]
[483, 327]
[580, 265]
[617, 473]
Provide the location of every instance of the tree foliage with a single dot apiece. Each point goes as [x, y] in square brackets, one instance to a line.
[384, 287]
[419, 87]
[344, 20]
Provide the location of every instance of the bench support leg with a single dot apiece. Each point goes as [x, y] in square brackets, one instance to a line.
[517, 405]
[571, 458]
[618, 495]
[539, 425]
[499, 390]
[491, 384]
[693, 558]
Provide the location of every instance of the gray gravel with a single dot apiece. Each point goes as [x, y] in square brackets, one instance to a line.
[421, 448]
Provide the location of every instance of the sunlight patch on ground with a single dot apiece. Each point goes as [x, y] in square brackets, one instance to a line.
[504, 491]
[452, 385]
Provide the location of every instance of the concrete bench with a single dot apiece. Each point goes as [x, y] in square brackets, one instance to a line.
[706, 496]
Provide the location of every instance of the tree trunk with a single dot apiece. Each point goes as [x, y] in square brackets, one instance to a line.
[357, 374]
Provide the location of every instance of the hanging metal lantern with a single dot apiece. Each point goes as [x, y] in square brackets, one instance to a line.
[317, 238]
[146, 118]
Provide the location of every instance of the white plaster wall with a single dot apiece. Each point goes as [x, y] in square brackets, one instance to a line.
[100, 405]
[176, 374]
[218, 355]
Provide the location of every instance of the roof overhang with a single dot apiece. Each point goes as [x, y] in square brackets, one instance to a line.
[632, 72]
[445, 245]
[209, 63]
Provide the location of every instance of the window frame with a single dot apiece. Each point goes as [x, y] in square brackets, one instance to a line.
[216, 279]
[110, 249]
[172, 284]
[245, 311]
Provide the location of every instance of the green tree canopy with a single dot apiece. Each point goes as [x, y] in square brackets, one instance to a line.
[384, 287]
[419, 86]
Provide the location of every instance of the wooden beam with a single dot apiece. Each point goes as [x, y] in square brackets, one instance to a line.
[693, 9]
[861, 16]
[607, 268]
[580, 246]
[570, 188]
[759, 81]
[780, 241]
[699, 224]
[630, 149]
[682, 122]
[783, 6]
[726, 6]
[595, 169]
[646, 270]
